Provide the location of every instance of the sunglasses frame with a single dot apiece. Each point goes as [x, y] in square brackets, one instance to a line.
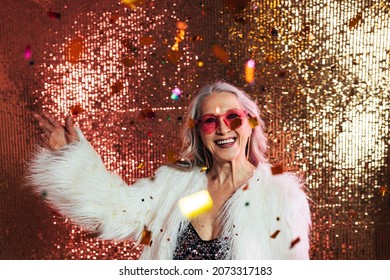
[219, 116]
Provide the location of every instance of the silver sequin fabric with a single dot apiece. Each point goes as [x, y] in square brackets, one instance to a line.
[191, 247]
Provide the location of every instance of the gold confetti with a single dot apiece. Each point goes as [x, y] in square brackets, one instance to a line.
[220, 53]
[250, 71]
[141, 165]
[191, 123]
[74, 49]
[204, 168]
[275, 234]
[171, 156]
[181, 25]
[180, 33]
[133, 4]
[253, 122]
[383, 190]
[195, 204]
[355, 21]
[146, 236]
[278, 169]
[294, 242]
[200, 64]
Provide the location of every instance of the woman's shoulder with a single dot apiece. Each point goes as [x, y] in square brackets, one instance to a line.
[274, 179]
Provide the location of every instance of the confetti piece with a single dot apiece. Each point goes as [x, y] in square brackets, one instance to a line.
[250, 71]
[275, 234]
[114, 17]
[191, 123]
[27, 52]
[173, 56]
[253, 122]
[200, 64]
[195, 204]
[294, 242]
[197, 38]
[278, 169]
[147, 114]
[133, 4]
[203, 169]
[355, 21]
[221, 54]
[147, 40]
[181, 25]
[171, 156]
[176, 92]
[128, 61]
[117, 87]
[74, 49]
[54, 15]
[77, 109]
[245, 188]
[174, 97]
[246, 203]
[146, 236]
[383, 190]
[141, 165]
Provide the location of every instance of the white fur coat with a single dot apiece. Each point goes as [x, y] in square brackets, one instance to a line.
[75, 182]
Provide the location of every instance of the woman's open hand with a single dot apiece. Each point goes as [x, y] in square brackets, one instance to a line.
[55, 135]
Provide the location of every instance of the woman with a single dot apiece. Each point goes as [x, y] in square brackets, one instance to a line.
[255, 214]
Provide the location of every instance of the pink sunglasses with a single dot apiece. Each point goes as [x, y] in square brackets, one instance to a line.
[209, 123]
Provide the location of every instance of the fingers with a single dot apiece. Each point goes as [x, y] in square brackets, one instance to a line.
[45, 121]
[52, 121]
[69, 125]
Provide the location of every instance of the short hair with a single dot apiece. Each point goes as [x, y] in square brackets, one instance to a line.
[194, 152]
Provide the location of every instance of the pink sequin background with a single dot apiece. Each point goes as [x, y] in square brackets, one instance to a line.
[321, 82]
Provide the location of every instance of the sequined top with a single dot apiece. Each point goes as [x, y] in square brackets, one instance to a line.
[191, 247]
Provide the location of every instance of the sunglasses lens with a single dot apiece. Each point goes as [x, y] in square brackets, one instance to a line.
[209, 124]
[233, 119]
[234, 124]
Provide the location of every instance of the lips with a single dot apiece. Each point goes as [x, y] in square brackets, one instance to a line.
[226, 143]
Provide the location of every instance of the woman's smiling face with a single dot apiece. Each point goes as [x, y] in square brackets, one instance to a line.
[224, 127]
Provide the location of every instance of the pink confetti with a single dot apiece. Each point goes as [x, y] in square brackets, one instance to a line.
[27, 52]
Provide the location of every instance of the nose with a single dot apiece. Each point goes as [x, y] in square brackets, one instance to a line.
[222, 128]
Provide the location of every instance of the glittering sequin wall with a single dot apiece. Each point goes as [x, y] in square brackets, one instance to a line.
[127, 73]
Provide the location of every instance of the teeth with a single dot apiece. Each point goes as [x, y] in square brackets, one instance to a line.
[221, 142]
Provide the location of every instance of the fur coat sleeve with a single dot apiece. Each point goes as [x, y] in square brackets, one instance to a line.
[75, 182]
